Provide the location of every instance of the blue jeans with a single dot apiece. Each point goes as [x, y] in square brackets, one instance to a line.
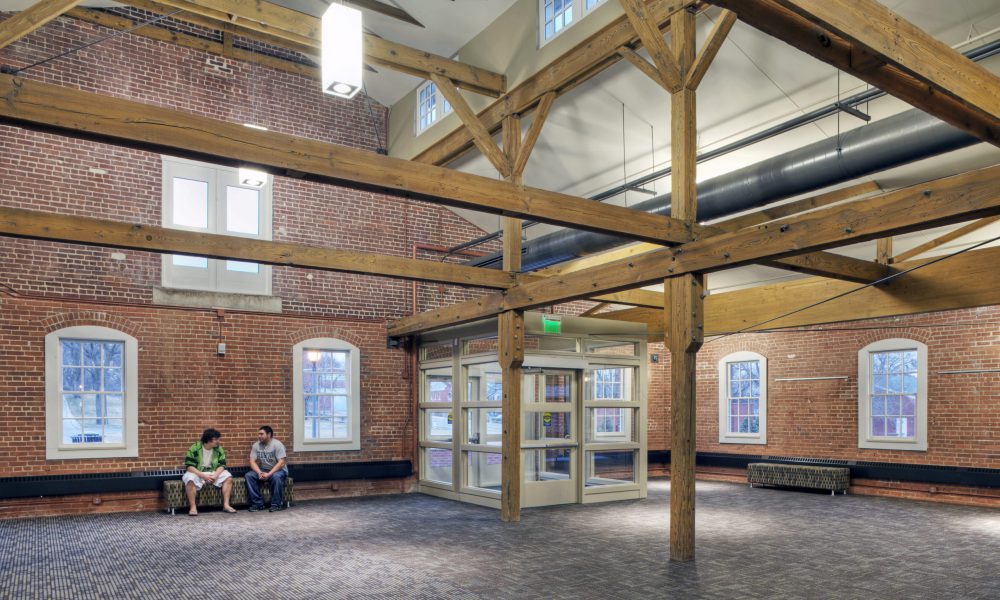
[277, 482]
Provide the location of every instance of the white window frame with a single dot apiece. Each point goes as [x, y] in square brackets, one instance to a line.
[442, 107]
[216, 278]
[725, 436]
[54, 447]
[865, 439]
[353, 442]
[579, 11]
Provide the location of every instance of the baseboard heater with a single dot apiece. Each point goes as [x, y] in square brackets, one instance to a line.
[938, 474]
[106, 483]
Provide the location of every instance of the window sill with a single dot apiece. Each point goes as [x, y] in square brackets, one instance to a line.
[203, 299]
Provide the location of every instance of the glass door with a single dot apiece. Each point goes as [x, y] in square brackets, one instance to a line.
[550, 436]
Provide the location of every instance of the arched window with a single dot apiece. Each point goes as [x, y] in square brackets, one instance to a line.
[327, 395]
[91, 393]
[892, 395]
[743, 399]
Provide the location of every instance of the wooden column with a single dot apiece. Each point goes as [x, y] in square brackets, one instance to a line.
[684, 306]
[511, 336]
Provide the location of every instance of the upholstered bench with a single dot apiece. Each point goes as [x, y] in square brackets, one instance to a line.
[834, 479]
[209, 495]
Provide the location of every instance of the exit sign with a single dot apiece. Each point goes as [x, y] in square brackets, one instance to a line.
[551, 324]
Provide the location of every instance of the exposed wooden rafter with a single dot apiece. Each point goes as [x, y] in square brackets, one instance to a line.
[704, 59]
[944, 239]
[111, 234]
[648, 30]
[797, 206]
[83, 114]
[865, 39]
[583, 61]
[481, 137]
[303, 31]
[531, 136]
[41, 12]
[941, 202]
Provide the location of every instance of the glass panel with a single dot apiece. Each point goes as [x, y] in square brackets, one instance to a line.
[485, 383]
[113, 380]
[93, 431]
[612, 348]
[438, 425]
[438, 465]
[114, 406]
[72, 378]
[610, 467]
[547, 426]
[611, 383]
[242, 210]
[483, 470]
[92, 379]
[485, 426]
[72, 431]
[550, 342]
[72, 405]
[437, 385]
[190, 203]
[612, 425]
[548, 464]
[113, 431]
[242, 267]
[437, 351]
[72, 353]
[194, 262]
[113, 354]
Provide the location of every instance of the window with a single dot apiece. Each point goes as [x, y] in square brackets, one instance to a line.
[327, 395]
[431, 106]
[554, 16]
[892, 395]
[210, 199]
[743, 399]
[91, 393]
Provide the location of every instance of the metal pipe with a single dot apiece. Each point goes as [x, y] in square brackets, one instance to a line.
[897, 140]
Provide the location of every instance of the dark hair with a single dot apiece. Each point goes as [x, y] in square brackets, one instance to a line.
[266, 429]
[210, 434]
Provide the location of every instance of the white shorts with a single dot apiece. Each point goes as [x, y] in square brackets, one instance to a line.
[198, 481]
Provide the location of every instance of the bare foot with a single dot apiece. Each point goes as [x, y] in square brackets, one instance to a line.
[229, 509]
[193, 513]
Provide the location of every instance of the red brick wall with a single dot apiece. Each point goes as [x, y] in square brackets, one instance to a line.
[819, 419]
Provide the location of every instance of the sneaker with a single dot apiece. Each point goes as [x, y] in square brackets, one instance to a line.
[256, 508]
[276, 508]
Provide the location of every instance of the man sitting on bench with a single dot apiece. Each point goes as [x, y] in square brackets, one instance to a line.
[206, 462]
[267, 464]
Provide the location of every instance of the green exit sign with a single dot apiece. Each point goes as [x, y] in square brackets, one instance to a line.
[552, 324]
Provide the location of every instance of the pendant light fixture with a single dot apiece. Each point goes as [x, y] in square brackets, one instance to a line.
[341, 60]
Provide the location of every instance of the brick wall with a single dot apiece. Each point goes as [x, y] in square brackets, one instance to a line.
[819, 419]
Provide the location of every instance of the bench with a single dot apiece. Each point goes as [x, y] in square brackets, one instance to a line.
[834, 479]
[209, 495]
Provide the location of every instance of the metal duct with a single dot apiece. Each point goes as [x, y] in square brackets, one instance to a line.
[898, 140]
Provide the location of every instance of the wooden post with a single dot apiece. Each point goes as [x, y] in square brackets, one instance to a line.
[511, 333]
[685, 305]
[883, 250]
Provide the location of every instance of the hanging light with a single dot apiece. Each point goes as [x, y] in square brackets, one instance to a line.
[341, 51]
[252, 177]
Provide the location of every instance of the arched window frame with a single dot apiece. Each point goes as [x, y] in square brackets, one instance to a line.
[353, 364]
[866, 437]
[725, 435]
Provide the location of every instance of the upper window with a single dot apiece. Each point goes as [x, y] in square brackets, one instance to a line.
[743, 399]
[554, 16]
[327, 395]
[91, 393]
[892, 395]
[212, 199]
[431, 106]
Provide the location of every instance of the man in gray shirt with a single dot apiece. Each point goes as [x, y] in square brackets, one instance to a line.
[267, 465]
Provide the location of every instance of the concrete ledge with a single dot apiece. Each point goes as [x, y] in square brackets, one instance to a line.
[199, 299]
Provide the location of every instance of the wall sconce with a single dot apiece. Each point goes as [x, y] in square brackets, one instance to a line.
[341, 54]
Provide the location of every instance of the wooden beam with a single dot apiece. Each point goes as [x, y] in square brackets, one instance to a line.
[834, 266]
[573, 67]
[512, 232]
[797, 206]
[22, 23]
[304, 30]
[944, 239]
[644, 65]
[534, 130]
[945, 201]
[936, 97]
[963, 281]
[593, 310]
[883, 251]
[649, 32]
[511, 357]
[163, 34]
[704, 59]
[874, 29]
[15, 222]
[481, 137]
[83, 114]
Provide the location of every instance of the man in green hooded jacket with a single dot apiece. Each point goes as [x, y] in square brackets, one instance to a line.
[206, 463]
